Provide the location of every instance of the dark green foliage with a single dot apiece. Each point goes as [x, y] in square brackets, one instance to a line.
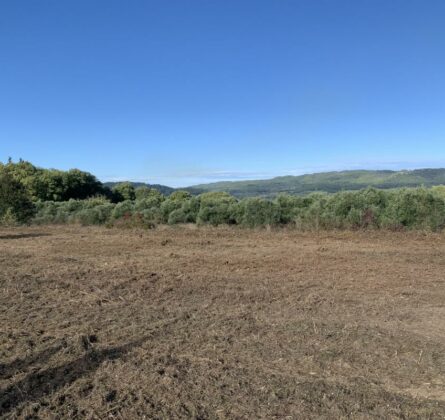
[180, 195]
[163, 189]
[439, 191]
[15, 203]
[148, 198]
[152, 215]
[145, 192]
[52, 184]
[98, 215]
[80, 185]
[419, 208]
[124, 191]
[216, 208]
[254, 212]
[96, 210]
[122, 209]
[290, 206]
[187, 213]
[172, 203]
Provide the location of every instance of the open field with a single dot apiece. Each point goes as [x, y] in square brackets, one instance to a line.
[221, 323]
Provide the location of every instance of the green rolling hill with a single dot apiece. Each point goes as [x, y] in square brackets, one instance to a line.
[327, 182]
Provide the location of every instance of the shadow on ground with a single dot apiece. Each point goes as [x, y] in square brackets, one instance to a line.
[23, 235]
[39, 384]
[7, 370]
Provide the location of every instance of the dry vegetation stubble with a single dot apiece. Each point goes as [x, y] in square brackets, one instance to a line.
[221, 323]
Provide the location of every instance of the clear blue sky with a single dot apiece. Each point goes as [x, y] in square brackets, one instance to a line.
[187, 91]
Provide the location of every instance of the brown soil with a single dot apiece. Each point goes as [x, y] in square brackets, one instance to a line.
[221, 323]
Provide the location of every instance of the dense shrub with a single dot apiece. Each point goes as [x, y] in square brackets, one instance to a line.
[415, 208]
[439, 190]
[122, 209]
[418, 208]
[180, 195]
[97, 215]
[352, 209]
[290, 206]
[312, 216]
[187, 213]
[254, 212]
[172, 203]
[96, 210]
[150, 201]
[124, 191]
[145, 192]
[216, 208]
[152, 215]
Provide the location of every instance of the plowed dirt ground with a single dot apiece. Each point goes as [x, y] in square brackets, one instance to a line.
[213, 323]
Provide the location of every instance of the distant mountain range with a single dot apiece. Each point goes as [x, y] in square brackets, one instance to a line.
[322, 182]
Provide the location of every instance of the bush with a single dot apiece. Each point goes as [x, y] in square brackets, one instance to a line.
[149, 202]
[289, 207]
[312, 215]
[254, 212]
[122, 209]
[8, 219]
[95, 210]
[416, 208]
[144, 192]
[187, 213]
[180, 195]
[97, 215]
[172, 203]
[152, 215]
[216, 208]
[439, 190]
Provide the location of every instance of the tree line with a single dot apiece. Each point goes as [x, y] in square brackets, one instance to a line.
[33, 195]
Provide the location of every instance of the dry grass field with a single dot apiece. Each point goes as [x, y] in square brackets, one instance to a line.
[215, 323]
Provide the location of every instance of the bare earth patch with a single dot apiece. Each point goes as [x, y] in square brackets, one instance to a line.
[221, 323]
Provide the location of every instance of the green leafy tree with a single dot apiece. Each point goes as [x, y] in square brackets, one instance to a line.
[152, 200]
[180, 195]
[15, 203]
[124, 191]
[80, 185]
[143, 193]
[52, 184]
